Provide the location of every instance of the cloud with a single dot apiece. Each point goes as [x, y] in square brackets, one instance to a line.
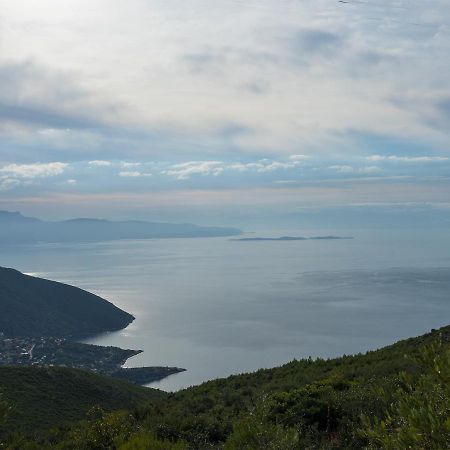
[407, 159]
[184, 171]
[33, 96]
[16, 175]
[343, 168]
[225, 94]
[133, 174]
[40, 115]
[58, 82]
[276, 165]
[357, 170]
[266, 165]
[36, 170]
[100, 163]
[369, 169]
[9, 183]
[316, 41]
[443, 106]
[126, 164]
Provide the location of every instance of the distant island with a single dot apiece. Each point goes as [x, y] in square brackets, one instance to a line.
[18, 229]
[293, 238]
[40, 319]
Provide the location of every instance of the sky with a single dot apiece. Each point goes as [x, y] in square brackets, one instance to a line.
[226, 112]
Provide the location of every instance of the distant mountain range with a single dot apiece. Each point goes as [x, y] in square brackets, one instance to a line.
[16, 228]
[35, 307]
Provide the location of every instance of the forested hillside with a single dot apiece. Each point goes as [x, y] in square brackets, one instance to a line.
[395, 397]
[41, 398]
[32, 306]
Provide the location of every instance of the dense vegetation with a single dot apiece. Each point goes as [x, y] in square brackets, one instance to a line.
[393, 398]
[40, 398]
[33, 306]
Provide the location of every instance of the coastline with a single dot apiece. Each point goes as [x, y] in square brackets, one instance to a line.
[47, 352]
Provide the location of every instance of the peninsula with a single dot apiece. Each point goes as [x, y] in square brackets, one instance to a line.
[41, 319]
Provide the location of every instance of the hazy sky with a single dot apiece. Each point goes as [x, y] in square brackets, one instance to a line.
[221, 110]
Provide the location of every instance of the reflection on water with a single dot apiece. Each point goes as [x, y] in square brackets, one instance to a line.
[217, 307]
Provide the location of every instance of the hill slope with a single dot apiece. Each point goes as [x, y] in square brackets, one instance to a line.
[52, 396]
[210, 409]
[33, 306]
[316, 404]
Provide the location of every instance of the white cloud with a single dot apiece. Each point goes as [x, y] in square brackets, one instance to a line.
[396, 158]
[72, 181]
[266, 165]
[35, 170]
[343, 169]
[100, 163]
[9, 183]
[126, 164]
[15, 175]
[184, 171]
[350, 169]
[276, 165]
[133, 174]
[239, 167]
[369, 169]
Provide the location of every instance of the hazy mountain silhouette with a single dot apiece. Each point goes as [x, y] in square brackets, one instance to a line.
[16, 228]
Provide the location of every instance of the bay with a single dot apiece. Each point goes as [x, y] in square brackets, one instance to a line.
[217, 307]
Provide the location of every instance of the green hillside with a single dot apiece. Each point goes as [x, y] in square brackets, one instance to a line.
[33, 306]
[42, 398]
[393, 398]
[209, 411]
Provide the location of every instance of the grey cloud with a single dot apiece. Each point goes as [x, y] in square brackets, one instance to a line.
[437, 113]
[315, 42]
[443, 106]
[203, 60]
[217, 58]
[42, 116]
[255, 88]
[369, 62]
[32, 96]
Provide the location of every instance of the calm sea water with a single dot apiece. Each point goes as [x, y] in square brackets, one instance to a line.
[217, 307]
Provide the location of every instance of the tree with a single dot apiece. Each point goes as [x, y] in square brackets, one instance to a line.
[4, 409]
[419, 416]
[255, 431]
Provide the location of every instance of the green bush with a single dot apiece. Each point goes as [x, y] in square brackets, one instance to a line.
[254, 431]
[419, 416]
[4, 408]
[146, 440]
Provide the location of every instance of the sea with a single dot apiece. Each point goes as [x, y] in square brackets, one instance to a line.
[218, 306]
